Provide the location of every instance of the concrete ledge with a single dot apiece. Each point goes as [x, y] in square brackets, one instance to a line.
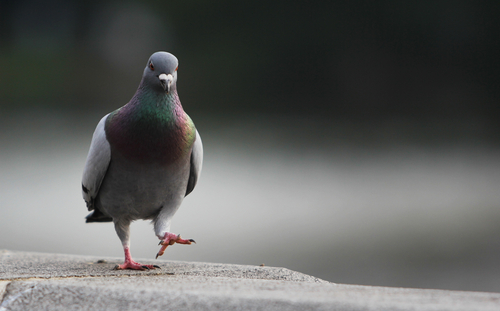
[67, 282]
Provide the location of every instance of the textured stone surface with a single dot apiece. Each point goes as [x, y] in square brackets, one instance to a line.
[15, 265]
[65, 282]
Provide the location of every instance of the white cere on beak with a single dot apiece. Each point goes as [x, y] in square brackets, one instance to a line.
[166, 81]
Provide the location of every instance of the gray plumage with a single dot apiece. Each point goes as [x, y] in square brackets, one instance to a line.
[145, 157]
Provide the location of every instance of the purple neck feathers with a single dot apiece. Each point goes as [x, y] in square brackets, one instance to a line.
[151, 128]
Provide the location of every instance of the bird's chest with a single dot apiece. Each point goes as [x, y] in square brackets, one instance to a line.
[140, 189]
[152, 143]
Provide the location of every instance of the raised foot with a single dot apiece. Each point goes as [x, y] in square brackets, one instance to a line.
[135, 266]
[171, 239]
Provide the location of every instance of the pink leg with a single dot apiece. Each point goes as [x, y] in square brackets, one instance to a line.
[171, 239]
[131, 264]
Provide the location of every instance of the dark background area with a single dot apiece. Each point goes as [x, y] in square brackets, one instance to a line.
[357, 141]
[351, 59]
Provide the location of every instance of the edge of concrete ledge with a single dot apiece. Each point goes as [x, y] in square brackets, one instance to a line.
[20, 265]
[60, 282]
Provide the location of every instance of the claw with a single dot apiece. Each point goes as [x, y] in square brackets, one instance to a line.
[158, 267]
[171, 239]
[131, 264]
[160, 253]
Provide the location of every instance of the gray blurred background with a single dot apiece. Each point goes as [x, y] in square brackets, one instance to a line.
[357, 141]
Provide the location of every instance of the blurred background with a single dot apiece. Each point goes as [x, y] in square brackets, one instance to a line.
[356, 141]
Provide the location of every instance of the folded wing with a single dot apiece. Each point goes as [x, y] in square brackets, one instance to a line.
[97, 164]
[196, 163]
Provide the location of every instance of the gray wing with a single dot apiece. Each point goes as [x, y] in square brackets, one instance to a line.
[96, 165]
[196, 163]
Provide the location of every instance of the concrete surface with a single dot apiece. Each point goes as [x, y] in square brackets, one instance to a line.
[30, 281]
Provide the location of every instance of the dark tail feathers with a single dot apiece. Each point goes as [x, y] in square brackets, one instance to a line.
[97, 216]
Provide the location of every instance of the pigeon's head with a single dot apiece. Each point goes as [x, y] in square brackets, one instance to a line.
[161, 72]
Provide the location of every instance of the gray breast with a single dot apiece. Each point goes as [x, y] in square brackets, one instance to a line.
[138, 191]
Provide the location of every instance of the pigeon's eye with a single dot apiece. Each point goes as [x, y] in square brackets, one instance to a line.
[176, 68]
[151, 66]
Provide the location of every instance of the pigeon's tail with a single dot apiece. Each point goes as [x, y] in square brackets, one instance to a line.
[97, 216]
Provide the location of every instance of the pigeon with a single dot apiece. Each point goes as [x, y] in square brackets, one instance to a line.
[144, 158]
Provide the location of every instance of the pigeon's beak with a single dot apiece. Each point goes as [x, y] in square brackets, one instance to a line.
[166, 81]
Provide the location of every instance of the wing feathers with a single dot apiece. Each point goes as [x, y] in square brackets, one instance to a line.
[96, 165]
[196, 163]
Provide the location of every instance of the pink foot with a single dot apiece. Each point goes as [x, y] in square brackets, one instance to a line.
[135, 266]
[131, 264]
[171, 239]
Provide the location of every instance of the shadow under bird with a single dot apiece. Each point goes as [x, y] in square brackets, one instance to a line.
[144, 158]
